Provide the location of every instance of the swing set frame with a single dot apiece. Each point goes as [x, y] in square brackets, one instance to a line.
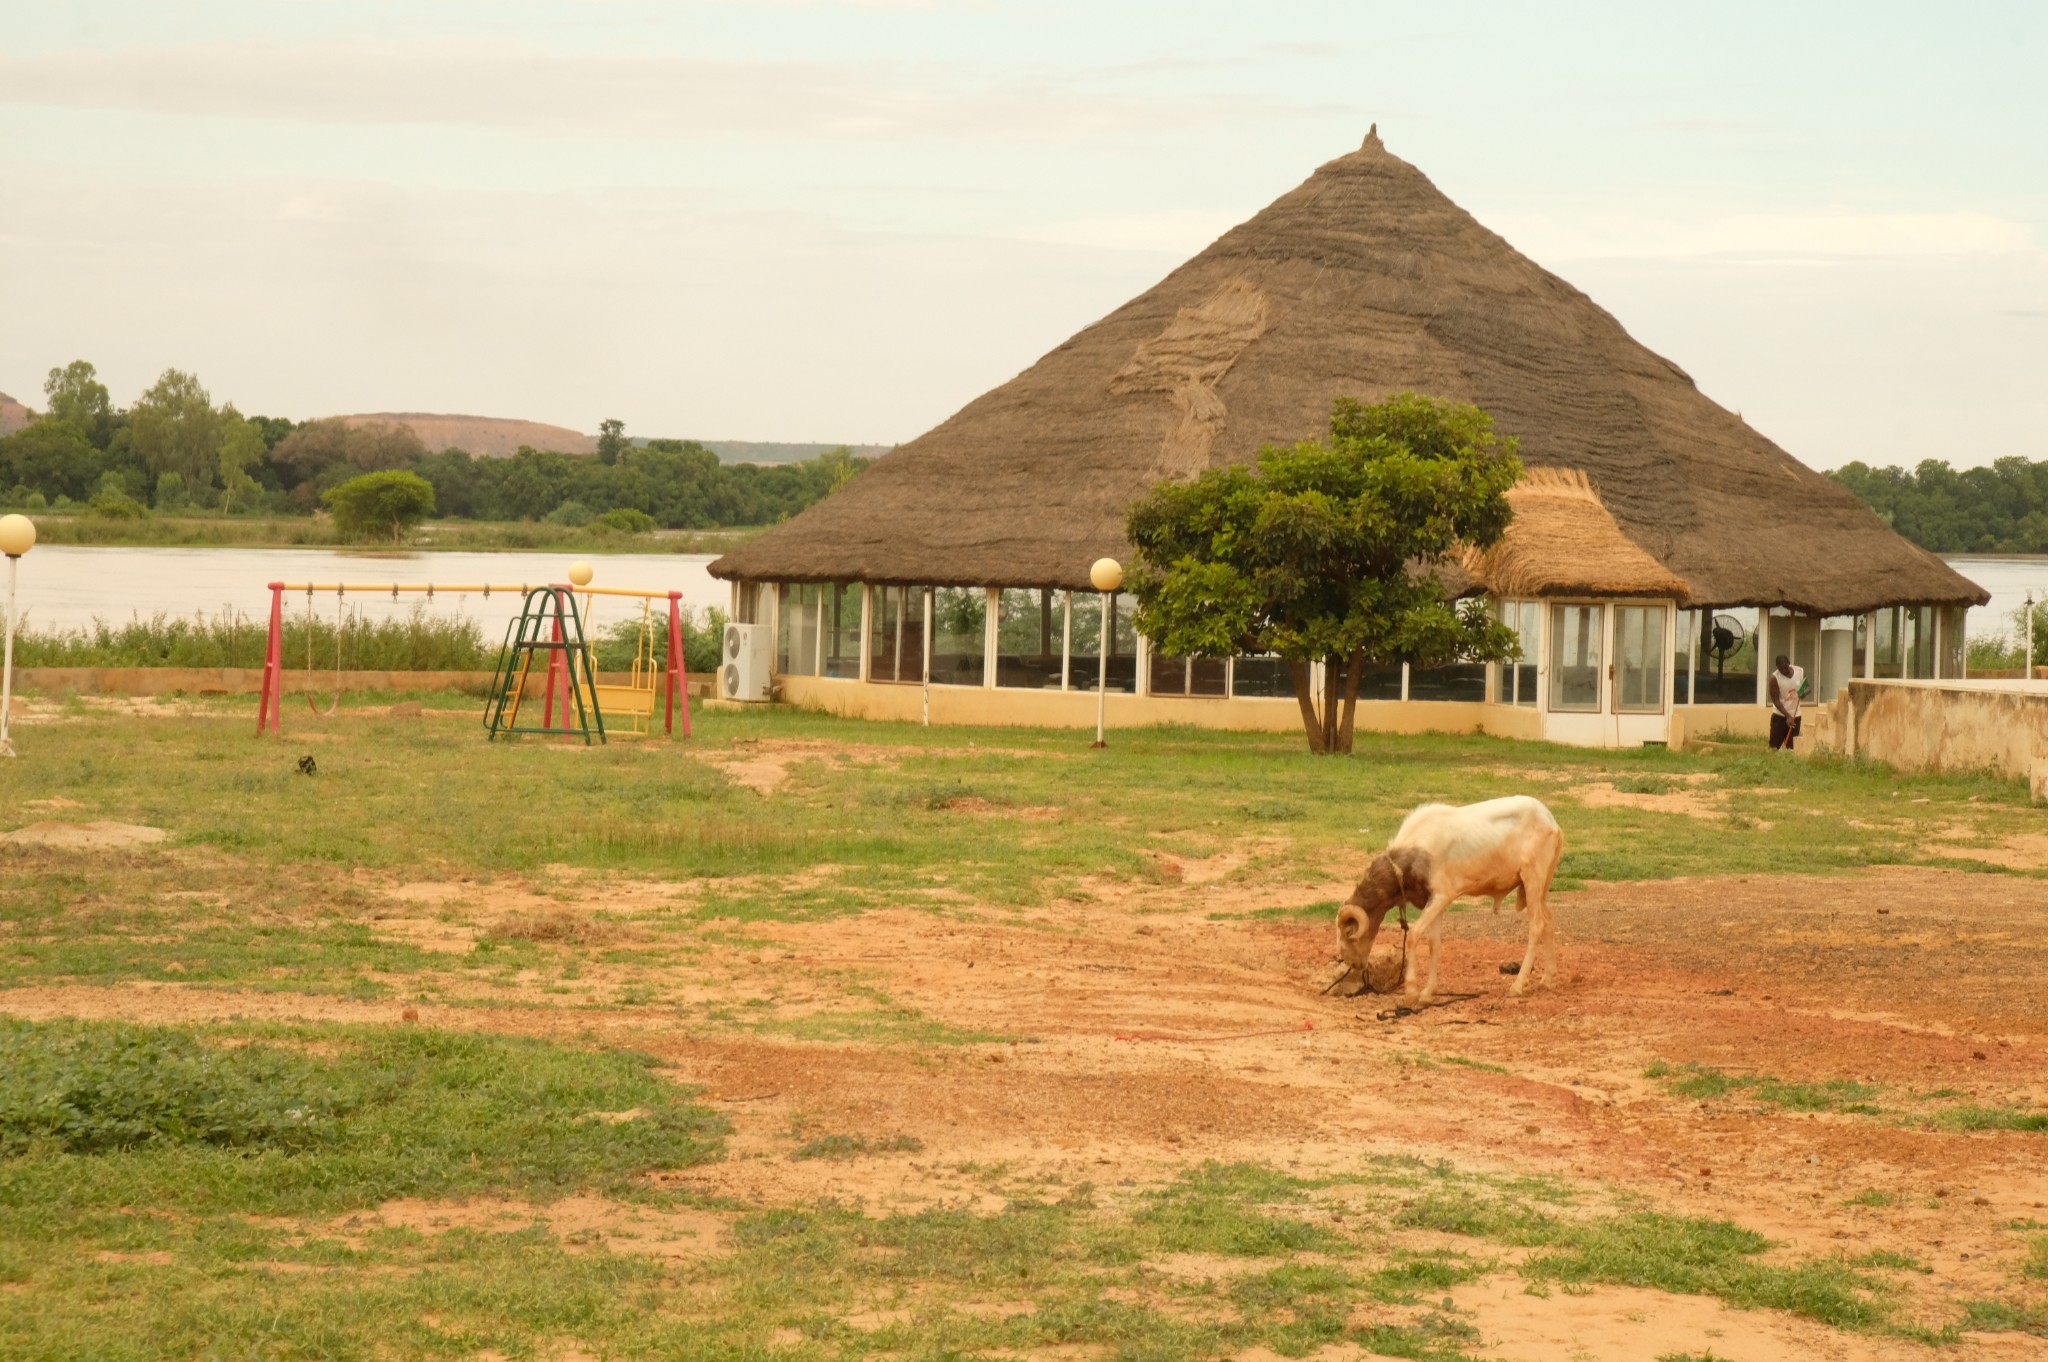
[673, 677]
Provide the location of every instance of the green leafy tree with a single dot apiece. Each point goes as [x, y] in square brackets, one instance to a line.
[611, 441]
[241, 445]
[1323, 551]
[51, 456]
[384, 503]
[170, 492]
[174, 429]
[77, 396]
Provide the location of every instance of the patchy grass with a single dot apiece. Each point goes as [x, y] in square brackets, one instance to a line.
[1707, 1084]
[247, 1119]
[1991, 1118]
[855, 1146]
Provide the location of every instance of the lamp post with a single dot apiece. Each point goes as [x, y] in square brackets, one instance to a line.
[17, 536]
[2027, 628]
[1107, 575]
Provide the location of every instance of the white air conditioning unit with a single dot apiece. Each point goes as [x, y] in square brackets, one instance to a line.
[745, 673]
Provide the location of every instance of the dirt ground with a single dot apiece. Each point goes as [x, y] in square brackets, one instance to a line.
[1151, 1028]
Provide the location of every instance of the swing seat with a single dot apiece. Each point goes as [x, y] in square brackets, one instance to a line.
[631, 707]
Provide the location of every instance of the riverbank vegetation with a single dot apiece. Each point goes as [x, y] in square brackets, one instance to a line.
[2000, 508]
[174, 453]
[419, 640]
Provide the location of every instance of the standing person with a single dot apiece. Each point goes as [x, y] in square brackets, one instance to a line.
[1783, 691]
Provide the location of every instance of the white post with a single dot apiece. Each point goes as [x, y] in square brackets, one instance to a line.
[928, 657]
[1102, 676]
[867, 596]
[1404, 683]
[2026, 627]
[1067, 641]
[7, 668]
[991, 626]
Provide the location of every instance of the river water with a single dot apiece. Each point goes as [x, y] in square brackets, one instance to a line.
[64, 586]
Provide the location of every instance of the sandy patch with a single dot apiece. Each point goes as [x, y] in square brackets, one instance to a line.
[1628, 1324]
[85, 836]
[579, 1221]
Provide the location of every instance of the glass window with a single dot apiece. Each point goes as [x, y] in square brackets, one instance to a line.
[959, 635]
[1685, 639]
[1639, 658]
[1920, 642]
[1890, 655]
[1262, 677]
[1190, 675]
[1575, 657]
[1031, 630]
[1726, 671]
[839, 645]
[896, 634]
[796, 630]
[1458, 681]
[1517, 678]
[1086, 666]
[1951, 617]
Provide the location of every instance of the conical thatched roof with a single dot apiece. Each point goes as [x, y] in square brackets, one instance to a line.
[1362, 282]
[1563, 542]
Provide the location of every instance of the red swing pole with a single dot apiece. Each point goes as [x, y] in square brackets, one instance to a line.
[271, 706]
[678, 671]
[547, 715]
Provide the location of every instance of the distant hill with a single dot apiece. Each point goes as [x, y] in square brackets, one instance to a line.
[764, 451]
[13, 416]
[486, 437]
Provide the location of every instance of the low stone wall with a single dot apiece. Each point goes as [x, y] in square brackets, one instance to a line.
[249, 681]
[1947, 726]
[1076, 709]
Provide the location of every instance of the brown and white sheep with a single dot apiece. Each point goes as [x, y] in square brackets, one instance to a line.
[1444, 853]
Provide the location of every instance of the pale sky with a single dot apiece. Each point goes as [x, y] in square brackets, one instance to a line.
[844, 219]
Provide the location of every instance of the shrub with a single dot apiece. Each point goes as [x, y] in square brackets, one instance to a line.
[572, 513]
[111, 505]
[379, 504]
[625, 520]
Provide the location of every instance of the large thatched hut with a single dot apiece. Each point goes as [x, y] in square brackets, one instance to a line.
[1660, 546]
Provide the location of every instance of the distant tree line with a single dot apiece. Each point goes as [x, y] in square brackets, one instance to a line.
[174, 451]
[2002, 508]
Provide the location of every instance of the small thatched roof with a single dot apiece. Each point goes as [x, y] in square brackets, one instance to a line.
[1563, 542]
[1364, 281]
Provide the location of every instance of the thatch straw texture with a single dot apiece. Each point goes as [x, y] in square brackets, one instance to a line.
[1563, 542]
[1362, 282]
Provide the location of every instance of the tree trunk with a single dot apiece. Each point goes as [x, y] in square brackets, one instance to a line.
[1351, 674]
[1299, 672]
[1330, 705]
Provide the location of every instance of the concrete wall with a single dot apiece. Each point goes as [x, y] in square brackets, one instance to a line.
[1076, 709]
[1693, 723]
[1952, 726]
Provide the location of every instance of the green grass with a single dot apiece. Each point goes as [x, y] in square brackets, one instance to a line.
[1708, 1084]
[314, 1120]
[1685, 1255]
[393, 793]
[1991, 1118]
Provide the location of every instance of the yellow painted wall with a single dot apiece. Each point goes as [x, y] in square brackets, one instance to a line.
[1076, 709]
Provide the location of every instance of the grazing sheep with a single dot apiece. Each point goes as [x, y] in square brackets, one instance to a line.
[1443, 853]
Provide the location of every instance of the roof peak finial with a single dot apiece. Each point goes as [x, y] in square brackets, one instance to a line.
[1372, 139]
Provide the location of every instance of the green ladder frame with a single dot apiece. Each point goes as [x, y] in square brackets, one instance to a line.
[548, 622]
